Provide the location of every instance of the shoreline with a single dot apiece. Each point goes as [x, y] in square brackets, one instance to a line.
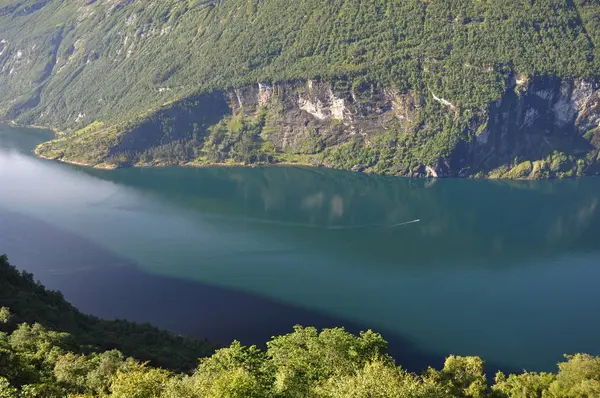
[112, 167]
[186, 165]
[73, 162]
[109, 167]
[192, 164]
[14, 124]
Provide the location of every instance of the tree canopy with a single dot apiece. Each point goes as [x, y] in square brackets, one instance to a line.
[42, 361]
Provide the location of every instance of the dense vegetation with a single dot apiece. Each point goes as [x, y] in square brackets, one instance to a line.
[69, 64]
[30, 302]
[115, 56]
[41, 360]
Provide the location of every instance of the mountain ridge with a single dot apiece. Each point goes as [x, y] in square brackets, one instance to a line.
[74, 65]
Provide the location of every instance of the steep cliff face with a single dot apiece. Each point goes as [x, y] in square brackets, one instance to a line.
[310, 116]
[540, 128]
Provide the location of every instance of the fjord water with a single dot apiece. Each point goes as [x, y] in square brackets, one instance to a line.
[505, 270]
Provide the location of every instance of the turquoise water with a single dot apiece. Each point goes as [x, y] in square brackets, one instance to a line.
[501, 269]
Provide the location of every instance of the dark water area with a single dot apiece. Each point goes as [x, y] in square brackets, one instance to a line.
[506, 270]
[112, 288]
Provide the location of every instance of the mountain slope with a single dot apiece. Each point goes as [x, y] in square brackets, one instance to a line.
[31, 302]
[439, 66]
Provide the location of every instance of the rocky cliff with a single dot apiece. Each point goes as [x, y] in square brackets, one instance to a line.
[539, 128]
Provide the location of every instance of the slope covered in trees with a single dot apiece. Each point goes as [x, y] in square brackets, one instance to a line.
[126, 64]
[41, 360]
[111, 58]
[30, 302]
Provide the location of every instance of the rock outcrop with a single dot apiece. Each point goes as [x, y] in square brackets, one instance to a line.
[535, 122]
[540, 128]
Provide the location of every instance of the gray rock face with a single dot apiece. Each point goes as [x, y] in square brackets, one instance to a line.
[304, 110]
[532, 122]
[534, 119]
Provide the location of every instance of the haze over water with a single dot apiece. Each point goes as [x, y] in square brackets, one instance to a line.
[507, 270]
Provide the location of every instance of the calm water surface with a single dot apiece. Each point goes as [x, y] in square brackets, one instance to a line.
[505, 270]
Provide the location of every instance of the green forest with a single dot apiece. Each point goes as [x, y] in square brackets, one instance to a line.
[127, 82]
[49, 349]
[115, 56]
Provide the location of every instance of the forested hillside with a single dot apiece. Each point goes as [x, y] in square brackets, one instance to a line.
[31, 303]
[460, 87]
[38, 358]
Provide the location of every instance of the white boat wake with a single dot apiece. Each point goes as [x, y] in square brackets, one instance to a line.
[328, 227]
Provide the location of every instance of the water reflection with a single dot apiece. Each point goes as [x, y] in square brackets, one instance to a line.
[464, 219]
